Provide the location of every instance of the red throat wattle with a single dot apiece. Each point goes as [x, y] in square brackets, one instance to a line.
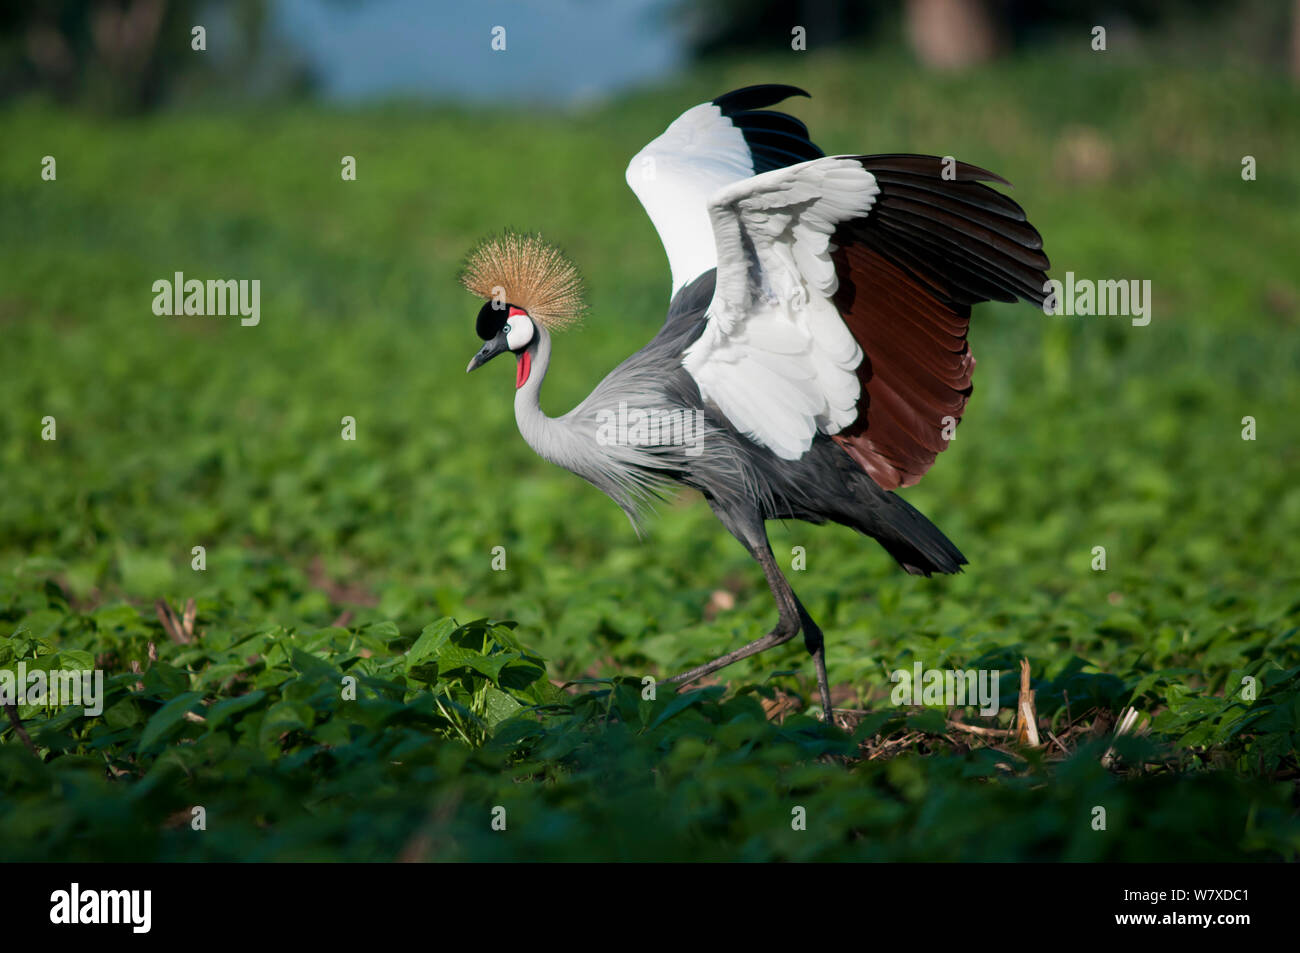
[522, 368]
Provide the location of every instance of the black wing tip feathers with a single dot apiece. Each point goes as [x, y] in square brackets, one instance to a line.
[757, 97]
[967, 242]
[910, 163]
[775, 139]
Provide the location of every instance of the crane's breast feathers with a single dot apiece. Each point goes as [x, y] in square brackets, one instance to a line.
[842, 302]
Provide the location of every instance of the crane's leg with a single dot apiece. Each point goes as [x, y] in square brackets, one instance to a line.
[787, 626]
[816, 646]
[792, 616]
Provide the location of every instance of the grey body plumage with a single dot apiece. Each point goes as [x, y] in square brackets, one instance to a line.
[733, 473]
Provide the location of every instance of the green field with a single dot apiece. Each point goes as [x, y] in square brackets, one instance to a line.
[327, 558]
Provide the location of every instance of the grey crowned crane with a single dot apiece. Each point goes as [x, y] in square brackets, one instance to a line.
[814, 353]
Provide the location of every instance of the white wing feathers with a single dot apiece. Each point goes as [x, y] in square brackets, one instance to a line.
[676, 175]
[775, 356]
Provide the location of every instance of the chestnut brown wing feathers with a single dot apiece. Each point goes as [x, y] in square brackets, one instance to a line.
[908, 273]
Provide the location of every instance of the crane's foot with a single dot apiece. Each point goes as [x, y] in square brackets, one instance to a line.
[818, 654]
[777, 636]
[813, 641]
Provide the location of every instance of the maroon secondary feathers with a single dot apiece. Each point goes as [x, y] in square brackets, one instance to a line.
[936, 242]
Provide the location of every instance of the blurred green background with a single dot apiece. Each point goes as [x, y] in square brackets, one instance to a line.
[175, 432]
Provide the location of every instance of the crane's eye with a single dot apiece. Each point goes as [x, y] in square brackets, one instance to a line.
[519, 331]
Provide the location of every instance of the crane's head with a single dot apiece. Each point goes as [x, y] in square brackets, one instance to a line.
[505, 327]
[524, 269]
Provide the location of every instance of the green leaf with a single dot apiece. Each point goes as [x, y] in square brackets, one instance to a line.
[432, 638]
[684, 701]
[163, 681]
[453, 657]
[284, 716]
[166, 718]
[223, 710]
[313, 668]
[499, 706]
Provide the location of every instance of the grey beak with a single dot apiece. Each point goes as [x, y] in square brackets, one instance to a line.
[488, 351]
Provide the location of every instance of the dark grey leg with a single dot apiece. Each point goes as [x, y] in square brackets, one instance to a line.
[816, 646]
[787, 626]
[792, 619]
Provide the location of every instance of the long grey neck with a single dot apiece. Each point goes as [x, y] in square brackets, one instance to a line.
[541, 432]
[622, 471]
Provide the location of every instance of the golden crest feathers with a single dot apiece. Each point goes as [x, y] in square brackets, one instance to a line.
[525, 271]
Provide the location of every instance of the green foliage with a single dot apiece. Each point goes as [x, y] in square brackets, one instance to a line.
[258, 727]
[328, 558]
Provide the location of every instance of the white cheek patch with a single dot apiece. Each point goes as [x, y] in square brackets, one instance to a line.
[520, 333]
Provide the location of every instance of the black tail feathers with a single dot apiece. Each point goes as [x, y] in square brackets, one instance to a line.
[913, 540]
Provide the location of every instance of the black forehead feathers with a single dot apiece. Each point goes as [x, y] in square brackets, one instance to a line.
[491, 319]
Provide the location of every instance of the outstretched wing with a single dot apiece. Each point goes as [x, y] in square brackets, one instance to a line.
[775, 356]
[708, 147]
[843, 298]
